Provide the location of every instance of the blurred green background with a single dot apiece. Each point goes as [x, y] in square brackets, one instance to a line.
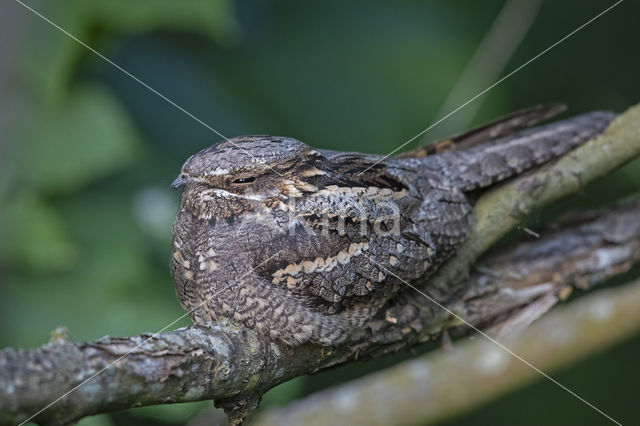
[87, 153]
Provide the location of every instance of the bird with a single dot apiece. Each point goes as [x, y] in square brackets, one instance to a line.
[305, 245]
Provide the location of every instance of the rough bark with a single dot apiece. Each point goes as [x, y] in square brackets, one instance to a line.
[234, 366]
[442, 384]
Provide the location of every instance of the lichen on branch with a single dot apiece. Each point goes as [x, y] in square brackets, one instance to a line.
[234, 366]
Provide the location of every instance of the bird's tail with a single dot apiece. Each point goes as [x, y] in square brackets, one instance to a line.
[483, 165]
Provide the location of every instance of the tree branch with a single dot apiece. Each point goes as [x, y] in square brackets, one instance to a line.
[235, 366]
[441, 384]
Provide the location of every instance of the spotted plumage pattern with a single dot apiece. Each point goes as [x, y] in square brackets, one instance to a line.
[304, 245]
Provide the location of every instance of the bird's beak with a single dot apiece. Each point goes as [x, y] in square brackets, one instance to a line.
[180, 180]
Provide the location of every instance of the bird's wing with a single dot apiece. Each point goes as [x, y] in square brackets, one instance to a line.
[501, 127]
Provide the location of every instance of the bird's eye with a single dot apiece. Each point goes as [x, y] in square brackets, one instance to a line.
[244, 180]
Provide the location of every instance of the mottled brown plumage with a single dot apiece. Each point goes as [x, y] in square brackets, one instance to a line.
[304, 245]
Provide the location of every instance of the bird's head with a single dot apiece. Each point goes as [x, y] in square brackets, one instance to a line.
[248, 173]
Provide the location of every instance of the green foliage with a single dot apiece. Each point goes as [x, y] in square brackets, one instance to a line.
[209, 17]
[88, 136]
[34, 236]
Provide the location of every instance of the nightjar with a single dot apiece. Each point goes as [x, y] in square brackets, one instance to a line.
[304, 245]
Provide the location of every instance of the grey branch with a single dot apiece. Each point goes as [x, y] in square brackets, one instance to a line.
[234, 366]
[441, 384]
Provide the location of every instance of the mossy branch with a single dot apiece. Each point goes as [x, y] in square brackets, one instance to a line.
[234, 366]
[443, 384]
